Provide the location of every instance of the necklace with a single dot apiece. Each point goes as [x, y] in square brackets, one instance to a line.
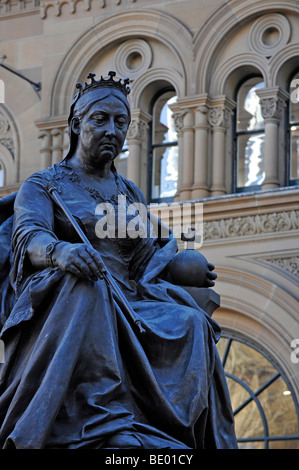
[94, 193]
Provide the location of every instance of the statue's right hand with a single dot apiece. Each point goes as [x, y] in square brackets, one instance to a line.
[79, 259]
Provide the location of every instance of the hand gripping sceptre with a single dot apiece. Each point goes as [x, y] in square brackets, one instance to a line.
[107, 276]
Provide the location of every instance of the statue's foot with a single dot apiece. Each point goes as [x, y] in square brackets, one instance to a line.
[123, 440]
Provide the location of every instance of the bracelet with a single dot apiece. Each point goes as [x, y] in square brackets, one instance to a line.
[49, 251]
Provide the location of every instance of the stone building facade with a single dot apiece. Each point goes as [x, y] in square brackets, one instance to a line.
[215, 123]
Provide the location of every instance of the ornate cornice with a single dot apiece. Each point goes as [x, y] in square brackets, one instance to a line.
[20, 8]
[88, 4]
[251, 225]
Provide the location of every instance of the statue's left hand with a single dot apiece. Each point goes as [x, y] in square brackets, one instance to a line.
[191, 268]
[210, 276]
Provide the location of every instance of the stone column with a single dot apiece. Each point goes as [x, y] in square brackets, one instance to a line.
[46, 152]
[200, 186]
[56, 145]
[178, 122]
[187, 168]
[65, 141]
[273, 101]
[219, 120]
[136, 135]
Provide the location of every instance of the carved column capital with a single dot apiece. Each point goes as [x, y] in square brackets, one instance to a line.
[219, 117]
[178, 122]
[272, 108]
[272, 101]
[137, 129]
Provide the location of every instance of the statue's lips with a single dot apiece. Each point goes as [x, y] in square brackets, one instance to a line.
[108, 146]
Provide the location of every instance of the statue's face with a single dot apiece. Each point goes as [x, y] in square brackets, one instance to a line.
[102, 131]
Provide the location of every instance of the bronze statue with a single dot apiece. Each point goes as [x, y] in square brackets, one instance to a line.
[79, 372]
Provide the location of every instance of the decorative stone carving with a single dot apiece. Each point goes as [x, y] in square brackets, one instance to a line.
[251, 225]
[137, 129]
[17, 6]
[290, 264]
[57, 4]
[219, 117]
[133, 58]
[178, 122]
[272, 107]
[6, 134]
[269, 34]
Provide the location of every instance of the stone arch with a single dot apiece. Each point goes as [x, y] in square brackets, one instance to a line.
[236, 69]
[152, 25]
[260, 310]
[284, 64]
[9, 146]
[222, 21]
[155, 78]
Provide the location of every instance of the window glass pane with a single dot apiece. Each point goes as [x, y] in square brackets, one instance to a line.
[249, 365]
[294, 157]
[121, 162]
[250, 136]
[279, 409]
[238, 394]
[165, 171]
[249, 424]
[164, 151]
[163, 122]
[250, 159]
[294, 101]
[285, 444]
[294, 128]
[249, 115]
[221, 347]
[264, 407]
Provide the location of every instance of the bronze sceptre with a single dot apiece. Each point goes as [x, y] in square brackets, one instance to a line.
[107, 276]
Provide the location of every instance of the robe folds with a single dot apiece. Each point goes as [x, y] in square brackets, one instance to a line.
[77, 372]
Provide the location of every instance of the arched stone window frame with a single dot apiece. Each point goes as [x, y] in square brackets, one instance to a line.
[9, 147]
[154, 146]
[292, 128]
[254, 380]
[237, 134]
[272, 60]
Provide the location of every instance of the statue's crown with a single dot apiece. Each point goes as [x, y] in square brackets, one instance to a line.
[108, 82]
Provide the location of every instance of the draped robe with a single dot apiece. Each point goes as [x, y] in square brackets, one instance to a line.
[77, 372]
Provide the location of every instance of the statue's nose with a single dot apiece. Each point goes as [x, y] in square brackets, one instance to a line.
[110, 130]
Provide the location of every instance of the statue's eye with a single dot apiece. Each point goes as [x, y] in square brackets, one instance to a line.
[121, 122]
[100, 118]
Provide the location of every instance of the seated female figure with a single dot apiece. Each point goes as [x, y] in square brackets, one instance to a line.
[78, 373]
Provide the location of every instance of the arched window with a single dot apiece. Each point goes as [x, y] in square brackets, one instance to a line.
[293, 132]
[264, 406]
[163, 154]
[249, 138]
[121, 162]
